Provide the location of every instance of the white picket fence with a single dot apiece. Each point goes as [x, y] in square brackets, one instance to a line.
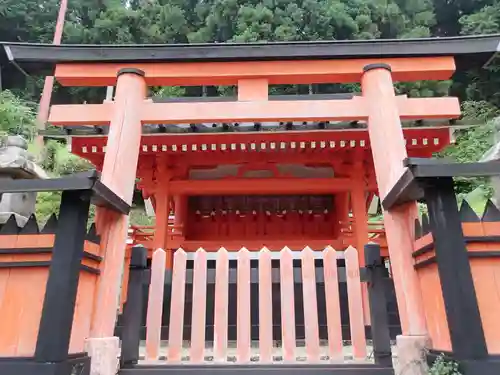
[198, 351]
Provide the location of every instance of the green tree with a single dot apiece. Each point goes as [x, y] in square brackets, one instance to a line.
[17, 117]
[28, 21]
[471, 143]
[485, 21]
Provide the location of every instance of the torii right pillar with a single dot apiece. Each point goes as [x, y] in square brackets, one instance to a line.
[388, 150]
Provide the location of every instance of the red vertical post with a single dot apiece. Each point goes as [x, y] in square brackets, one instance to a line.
[119, 171]
[360, 216]
[252, 89]
[177, 304]
[388, 150]
[311, 324]
[180, 213]
[355, 303]
[265, 306]
[358, 204]
[332, 305]
[287, 305]
[221, 303]
[243, 327]
[198, 322]
[155, 305]
[162, 233]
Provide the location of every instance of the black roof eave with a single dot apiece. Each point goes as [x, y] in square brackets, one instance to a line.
[423, 172]
[469, 51]
[85, 182]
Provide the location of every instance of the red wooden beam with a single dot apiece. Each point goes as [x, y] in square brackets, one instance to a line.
[175, 113]
[260, 186]
[160, 139]
[276, 72]
[320, 110]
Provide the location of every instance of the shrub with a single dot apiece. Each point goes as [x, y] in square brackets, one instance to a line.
[443, 366]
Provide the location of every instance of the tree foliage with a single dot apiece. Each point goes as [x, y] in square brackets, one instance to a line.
[473, 142]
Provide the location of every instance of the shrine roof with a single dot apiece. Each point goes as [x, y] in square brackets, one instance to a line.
[254, 128]
[423, 140]
[469, 51]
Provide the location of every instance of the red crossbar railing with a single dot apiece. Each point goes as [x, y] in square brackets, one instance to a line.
[144, 234]
[177, 352]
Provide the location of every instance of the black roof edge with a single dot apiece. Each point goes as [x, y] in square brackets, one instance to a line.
[88, 181]
[425, 171]
[469, 51]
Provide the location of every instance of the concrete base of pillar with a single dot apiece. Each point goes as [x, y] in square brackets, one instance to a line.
[411, 355]
[104, 355]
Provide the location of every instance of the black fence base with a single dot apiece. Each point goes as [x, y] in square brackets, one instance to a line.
[77, 364]
[256, 369]
[487, 366]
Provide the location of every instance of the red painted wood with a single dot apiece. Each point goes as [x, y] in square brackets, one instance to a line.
[260, 229]
[277, 72]
[177, 307]
[360, 214]
[266, 186]
[354, 109]
[221, 305]
[384, 126]
[243, 307]
[155, 305]
[276, 154]
[265, 306]
[161, 234]
[253, 89]
[199, 306]
[311, 325]
[119, 175]
[355, 301]
[332, 305]
[287, 305]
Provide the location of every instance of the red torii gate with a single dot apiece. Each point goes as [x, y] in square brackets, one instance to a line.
[252, 69]
[378, 105]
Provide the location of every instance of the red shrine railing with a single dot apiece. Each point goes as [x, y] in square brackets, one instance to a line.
[266, 349]
[144, 234]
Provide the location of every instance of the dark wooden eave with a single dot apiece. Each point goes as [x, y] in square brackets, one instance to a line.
[410, 186]
[211, 128]
[469, 52]
[99, 193]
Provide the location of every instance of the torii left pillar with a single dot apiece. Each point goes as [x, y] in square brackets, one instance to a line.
[118, 173]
